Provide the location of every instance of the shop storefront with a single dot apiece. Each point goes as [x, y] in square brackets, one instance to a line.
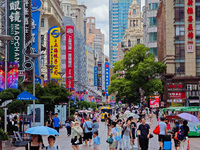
[176, 99]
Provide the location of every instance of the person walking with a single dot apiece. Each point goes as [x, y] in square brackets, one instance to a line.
[87, 126]
[113, 133]
[49, 122]
[163, 132]
[127, 134]
[77, 132]
[95, 126]
[68, 127]
[184, 143]
[174, 131]
[119, 127]
[56, 122]
[144, 134]
[51, 146]
[36, 143]
[96, 141]
[133, 128]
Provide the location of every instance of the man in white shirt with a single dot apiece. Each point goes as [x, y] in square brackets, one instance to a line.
[51, 141]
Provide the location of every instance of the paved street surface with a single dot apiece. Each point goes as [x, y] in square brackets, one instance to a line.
[64, 141]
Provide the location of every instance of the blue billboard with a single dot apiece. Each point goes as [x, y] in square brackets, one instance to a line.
[95, 76]
[107, 77]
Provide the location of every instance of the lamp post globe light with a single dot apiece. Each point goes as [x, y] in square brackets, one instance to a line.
[69, 79]
[49, 66]
[5, 39]
[34, 57]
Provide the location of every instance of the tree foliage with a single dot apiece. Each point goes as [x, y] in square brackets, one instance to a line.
[137, 71]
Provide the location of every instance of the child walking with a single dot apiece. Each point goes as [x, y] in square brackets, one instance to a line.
[96, 141]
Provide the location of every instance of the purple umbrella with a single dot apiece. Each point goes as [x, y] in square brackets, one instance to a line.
[188, 117]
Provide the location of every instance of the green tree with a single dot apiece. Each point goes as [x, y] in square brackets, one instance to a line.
[138, 70]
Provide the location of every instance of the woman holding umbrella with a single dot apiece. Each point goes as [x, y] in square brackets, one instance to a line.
[36, 143]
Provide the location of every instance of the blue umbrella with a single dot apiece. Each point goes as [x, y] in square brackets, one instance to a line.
[26, 96]
[42, 130]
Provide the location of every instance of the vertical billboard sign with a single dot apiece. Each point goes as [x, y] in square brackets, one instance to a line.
[70, 55]
[95, 76]
[12, 75]
[54, 51]
[16, 29]
[99, 76]
[107, 77]
[28, 63]
[36, 17]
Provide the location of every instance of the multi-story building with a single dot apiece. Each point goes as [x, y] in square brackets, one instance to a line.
[80, 60]
[118, 13]
[77, 13]
[150, 24]
[95, 38]
[90, 65]
[178, 42]
[51, 16]
[134, 32]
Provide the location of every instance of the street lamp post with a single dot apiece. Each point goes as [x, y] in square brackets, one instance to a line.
[49, 66]
[61, 75]
[69, 79]
[34, 56]
[75, 90]
[5, 39]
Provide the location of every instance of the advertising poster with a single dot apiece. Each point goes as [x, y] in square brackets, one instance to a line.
[99, 76]
[95, 76]
[70, 55]
[98, 100]
[80, 95]
[91, 98]
[107, 77]
[154, 101]
[72, 90]
[54, 51]
[2, 76]
[16, 29]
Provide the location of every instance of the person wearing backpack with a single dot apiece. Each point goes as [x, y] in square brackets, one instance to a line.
[163, 132]
[52, 146]
[127, 134]
[175, 131]
[119, 126]
[87, 126]
[184, 142]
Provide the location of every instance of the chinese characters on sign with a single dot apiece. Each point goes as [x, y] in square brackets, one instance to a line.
[176, 95]
[95, 76]
[190, 26]
[16, 29]
[99, 76]
[107, 77]
[54, 41]
[175, 86]
[70, 55]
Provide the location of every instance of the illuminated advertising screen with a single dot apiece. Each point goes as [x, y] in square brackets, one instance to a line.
[154, 101]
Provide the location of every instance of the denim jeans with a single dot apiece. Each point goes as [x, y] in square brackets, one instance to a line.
[126, 139]
[119, 144]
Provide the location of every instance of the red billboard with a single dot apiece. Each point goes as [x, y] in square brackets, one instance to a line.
[176, 95]
[154, 101]
[70, 55]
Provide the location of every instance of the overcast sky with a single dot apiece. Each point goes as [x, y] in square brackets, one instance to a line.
[100, 10]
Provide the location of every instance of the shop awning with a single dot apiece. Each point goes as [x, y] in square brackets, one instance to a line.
[190, 109]
[172, 109]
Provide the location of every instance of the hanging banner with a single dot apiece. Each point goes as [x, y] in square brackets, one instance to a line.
[91, 98]
[54, 51]
[16, 29]
[107, 77]
[95, 76]
[99, 76]
[70, 55]
[12, 75]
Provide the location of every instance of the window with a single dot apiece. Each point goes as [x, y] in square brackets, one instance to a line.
[152, 21]
[179, 14]
[42, 22]
[153, 36]
[198, 68]
[90, 31]
[179, 33]
[197, 13]
[155, 6]
[150, 6]
[134, 11]
[198, 51]
[179, 67]
[42, 39]
[197, 31]
[42, 59]
[138, 41]
[180, 51]
[153, 51]
[179, 1]
[197, 1]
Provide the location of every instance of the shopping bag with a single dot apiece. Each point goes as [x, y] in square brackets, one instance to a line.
[156, 131]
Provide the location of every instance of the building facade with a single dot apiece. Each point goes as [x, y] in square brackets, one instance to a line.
[150, 24]
[90, 65]
[179, 48]
[80, 60]
[118, 13]
[134, 32]
[51, 16]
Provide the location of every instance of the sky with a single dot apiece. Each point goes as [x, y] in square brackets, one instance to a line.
[100, 10]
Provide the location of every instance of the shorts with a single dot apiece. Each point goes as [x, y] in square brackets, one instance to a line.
[87, 136]
[133, 136]
[161, 138]
[113, 145]
[73, 140]
[177, 143]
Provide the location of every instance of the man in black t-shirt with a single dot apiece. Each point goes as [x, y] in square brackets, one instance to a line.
[186, 129]
[144, 133]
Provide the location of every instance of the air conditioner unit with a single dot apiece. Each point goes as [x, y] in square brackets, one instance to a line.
[189, 87]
